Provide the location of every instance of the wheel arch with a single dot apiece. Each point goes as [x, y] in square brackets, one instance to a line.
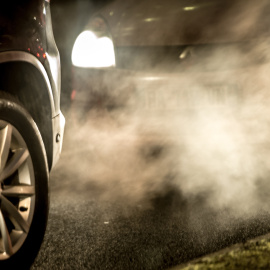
[24, 77]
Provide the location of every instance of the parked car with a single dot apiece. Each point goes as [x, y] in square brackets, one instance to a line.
[31, 127]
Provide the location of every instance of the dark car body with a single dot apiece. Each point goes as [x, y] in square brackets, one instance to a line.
[30, 67]
[31, 127]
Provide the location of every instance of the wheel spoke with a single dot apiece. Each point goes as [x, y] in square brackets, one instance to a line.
[5, 140]
[15, 216]
[18, 191]
[15, 162]
[5, 236]
[17, 188]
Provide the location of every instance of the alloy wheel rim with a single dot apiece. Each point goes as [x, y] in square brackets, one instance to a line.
[17, 190]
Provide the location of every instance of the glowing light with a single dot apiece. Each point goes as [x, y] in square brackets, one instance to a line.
[73, 94]
[91, 51]
[189, 8]
[151, 19]
[38, 55]
[44, 55]
[152, 78]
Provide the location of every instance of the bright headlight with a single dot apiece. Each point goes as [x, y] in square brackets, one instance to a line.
[92, 51]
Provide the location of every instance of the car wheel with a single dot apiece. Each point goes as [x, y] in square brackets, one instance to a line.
[23, 186]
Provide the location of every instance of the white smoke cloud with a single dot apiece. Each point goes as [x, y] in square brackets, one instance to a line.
[205, 132]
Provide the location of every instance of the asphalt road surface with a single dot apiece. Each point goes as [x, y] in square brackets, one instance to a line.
[103, 216]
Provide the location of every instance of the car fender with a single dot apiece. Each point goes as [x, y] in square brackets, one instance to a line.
[19, 56]
[31, 85]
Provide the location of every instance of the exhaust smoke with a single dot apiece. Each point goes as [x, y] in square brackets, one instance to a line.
[204, 133]
[216, 148]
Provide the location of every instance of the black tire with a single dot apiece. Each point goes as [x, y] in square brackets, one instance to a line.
[31, 177]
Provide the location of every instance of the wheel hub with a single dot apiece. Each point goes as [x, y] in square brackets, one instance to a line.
[16, 190]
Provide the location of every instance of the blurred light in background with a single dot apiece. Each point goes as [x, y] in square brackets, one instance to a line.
[91, 51]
